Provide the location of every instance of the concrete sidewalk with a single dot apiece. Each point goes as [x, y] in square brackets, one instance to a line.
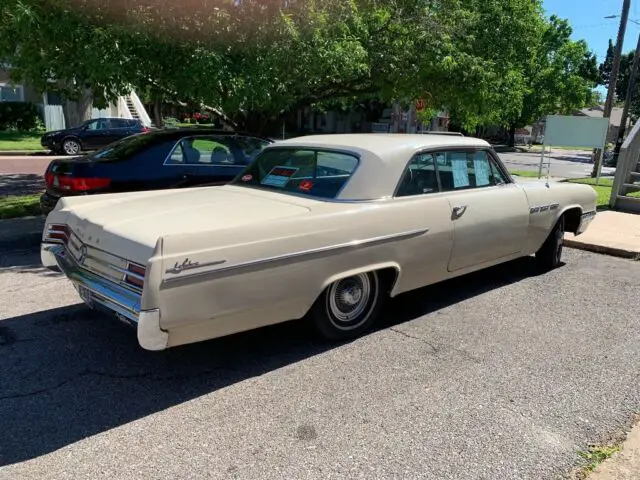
[611, 233]
[624, 465]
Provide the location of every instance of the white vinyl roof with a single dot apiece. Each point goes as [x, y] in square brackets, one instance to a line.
[383, 157]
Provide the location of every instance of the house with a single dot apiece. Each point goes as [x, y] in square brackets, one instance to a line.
[54, 108]
[615, 119]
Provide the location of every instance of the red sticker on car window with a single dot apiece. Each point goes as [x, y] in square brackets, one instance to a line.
[306, 185]
[247, 178]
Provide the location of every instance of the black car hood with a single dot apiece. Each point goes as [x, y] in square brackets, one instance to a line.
[66, 131]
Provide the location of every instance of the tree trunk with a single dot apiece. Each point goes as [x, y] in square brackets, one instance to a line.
[157, 113]
[512, 135]
[78, 111]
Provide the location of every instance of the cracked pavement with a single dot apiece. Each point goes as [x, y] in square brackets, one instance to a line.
[501, 374]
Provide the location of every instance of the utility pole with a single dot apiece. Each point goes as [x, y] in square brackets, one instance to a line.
[631, 90]
[613, 79]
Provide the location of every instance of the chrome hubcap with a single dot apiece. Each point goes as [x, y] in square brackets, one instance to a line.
[348, 300]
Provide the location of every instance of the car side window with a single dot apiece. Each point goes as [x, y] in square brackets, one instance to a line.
[93, 125]
[251, 146]
[177, 156]
[420, 177]
[207, 151]
[498, 176]
[119, 123]
[463, 170]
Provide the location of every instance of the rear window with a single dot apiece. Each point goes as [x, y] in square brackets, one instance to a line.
[123, 149]
[317, 173]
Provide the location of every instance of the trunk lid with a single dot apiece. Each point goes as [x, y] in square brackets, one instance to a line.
[133, 222]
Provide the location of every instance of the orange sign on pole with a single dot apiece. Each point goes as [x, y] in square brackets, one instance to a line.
[420, 104]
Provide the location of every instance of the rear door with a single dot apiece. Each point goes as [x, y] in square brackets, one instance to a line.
[490, 213]
[118, 128]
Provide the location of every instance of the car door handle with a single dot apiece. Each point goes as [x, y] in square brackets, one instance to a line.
[459, 211]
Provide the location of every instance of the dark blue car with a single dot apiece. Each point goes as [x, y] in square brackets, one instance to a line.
[153, 161]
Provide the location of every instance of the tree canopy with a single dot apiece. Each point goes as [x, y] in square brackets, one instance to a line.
[488, 61]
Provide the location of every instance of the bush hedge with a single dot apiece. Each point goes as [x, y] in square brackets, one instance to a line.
[20, 116]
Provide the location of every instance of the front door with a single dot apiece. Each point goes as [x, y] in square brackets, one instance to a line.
[490, 214]
[94, 134]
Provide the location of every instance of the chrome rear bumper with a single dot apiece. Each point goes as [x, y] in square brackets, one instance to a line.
[94, 290]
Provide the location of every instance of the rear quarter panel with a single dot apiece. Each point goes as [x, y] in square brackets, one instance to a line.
[218, 302]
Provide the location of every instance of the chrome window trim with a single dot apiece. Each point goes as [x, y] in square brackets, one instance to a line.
[354, 244]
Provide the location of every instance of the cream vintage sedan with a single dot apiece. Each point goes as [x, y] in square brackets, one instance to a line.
[319, 227]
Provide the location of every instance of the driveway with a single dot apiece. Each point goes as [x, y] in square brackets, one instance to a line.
[564, 163]
[504, 374]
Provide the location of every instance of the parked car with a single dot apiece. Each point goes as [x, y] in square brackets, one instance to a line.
[320, 227]
[153, 161]
[91, 135]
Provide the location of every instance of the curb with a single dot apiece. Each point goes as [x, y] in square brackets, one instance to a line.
[25, 153]
[603, 249]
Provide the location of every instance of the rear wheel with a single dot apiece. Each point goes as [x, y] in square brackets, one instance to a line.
[550, 254]
[71, 146]
[348, 307]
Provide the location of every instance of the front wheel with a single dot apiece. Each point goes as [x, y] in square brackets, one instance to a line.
[550, 254]
[348, 307]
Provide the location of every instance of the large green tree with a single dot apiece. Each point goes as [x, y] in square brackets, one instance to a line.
[256, 59]
[560, 75]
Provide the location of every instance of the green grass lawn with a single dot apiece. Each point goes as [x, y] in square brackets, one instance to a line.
[14, 206]
[524, 173]
[28, 141]
[603, 190]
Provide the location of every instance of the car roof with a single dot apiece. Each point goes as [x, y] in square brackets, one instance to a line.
[175, 133]
[383, 157]
[389, 147]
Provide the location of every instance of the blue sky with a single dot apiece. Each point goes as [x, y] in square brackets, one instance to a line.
[588, 22]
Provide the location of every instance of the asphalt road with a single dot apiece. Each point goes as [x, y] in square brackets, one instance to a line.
[564, 163]
[503, 374]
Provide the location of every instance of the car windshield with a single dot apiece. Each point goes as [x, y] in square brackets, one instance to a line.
[122, 149]
[306, 171]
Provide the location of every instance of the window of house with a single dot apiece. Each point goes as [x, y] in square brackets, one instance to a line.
[11, 93]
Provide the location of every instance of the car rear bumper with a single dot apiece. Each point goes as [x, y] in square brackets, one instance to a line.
[101, 294]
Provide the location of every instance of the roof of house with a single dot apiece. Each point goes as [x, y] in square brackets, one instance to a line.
[598, 112]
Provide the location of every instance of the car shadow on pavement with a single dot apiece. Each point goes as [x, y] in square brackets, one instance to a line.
[70, 373]
[21, 184]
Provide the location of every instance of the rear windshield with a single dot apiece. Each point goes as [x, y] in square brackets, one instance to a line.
[123, 149]
[317, 173]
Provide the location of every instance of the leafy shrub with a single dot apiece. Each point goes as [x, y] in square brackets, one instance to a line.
[20, 116]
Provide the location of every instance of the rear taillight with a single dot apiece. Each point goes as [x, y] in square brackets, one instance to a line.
[146, 129]
[57, 233]
[135, 275]
[48, 178]
[81, 184]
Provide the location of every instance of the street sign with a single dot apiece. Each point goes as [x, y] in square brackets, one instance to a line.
[420, 104]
